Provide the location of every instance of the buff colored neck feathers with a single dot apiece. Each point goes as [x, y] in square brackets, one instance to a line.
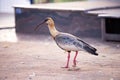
[52, 29]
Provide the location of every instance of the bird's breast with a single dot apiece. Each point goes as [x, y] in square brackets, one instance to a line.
[68, 43]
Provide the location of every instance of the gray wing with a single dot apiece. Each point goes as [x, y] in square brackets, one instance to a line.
[69, 42]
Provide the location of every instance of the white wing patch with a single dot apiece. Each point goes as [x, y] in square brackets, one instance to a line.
[69, 47]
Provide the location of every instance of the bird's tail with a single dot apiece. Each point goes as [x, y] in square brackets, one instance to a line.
[90, 49]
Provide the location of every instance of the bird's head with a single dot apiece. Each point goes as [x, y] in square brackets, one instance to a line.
[49, 21]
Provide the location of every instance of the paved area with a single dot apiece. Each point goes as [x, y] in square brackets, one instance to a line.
[42, 60]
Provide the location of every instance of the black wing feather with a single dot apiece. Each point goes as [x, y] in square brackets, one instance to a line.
[88, 47]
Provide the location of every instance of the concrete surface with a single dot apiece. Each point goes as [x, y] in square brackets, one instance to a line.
[42, 60]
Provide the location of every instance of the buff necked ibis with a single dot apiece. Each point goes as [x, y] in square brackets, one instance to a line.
[68, 42]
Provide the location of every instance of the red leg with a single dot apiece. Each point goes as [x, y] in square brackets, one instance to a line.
[68, 59]
[74, 60]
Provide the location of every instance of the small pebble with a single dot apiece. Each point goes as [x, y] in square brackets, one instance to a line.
[5, 46]
[111, 79]
[74, 69]
[118, 46]
[100, 71]
[22, 62]
[32, 75]
[103, 56]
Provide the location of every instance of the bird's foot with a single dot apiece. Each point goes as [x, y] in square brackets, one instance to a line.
[65, 67]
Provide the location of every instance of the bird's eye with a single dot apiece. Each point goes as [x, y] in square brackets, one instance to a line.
[46, 20]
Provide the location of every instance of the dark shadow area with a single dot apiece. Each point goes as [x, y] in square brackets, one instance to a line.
[112, 25]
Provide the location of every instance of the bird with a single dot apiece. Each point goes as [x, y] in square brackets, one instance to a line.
[68, 42]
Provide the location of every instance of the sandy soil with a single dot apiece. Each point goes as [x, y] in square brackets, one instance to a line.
[42, 60]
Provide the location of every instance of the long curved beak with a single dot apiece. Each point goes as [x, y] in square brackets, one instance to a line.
[39, 25]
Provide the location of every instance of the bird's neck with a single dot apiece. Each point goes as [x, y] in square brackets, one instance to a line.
[53, 30]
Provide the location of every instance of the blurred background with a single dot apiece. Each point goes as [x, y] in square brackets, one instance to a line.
[7, 17]
[7, 5]
[45, 1]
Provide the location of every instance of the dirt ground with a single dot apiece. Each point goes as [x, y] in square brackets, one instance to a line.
[42, 60]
